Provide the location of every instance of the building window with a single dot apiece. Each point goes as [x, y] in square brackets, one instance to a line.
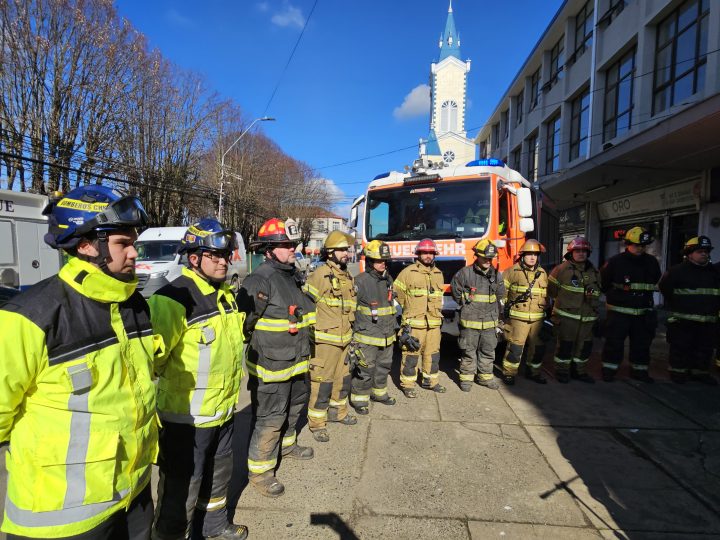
[557, 61]
[619, 97]
[483, 150]
[496, 135]
[552, 149]
[534, 89]
[504, 121]
[448, 116]
[615, 7]
[532, 157]
[335, 225]
[579, 125]
[681, 45]
[515, 158]
[519, 105]
[583, 29]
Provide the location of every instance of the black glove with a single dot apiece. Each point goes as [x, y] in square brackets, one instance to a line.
[407, 340]
[547, 332]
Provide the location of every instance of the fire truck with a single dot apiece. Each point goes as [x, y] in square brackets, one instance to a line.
[456, 207]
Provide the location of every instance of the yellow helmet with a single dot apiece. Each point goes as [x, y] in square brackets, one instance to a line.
[532, 246]
[338, 240]
[698, 242]
[378, 250]
[638, 235]
[485, 248]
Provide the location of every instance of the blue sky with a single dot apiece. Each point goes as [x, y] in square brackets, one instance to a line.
[341, 98]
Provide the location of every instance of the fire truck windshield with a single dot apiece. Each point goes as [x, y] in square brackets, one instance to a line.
[441, 210]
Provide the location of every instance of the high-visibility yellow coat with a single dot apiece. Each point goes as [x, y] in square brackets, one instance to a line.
[333, 291]
[77, 403]
[419, 290]
[199, 374]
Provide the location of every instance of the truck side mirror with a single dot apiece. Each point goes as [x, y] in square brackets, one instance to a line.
[353, 221]
[526, 225]
[525, 204]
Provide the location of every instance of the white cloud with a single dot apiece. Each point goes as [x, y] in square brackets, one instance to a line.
[416, 103]
[175, 18]
[289, 16]
[262, 6]
[338, 200]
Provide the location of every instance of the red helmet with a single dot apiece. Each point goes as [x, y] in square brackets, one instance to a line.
[579, 243]
[426, 245]
[275, 231]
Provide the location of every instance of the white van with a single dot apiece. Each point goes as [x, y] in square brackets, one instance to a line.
[25, 258]
[159, 262]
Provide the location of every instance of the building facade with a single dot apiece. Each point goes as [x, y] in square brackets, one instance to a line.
[615, 115]
[447, 140]
[321, 224]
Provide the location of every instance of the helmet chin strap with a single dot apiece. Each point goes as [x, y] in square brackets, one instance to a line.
[100, 260]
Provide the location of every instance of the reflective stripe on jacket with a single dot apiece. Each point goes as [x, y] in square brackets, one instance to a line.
[478, 294]
[199, 374]
[279, 347]
[576, 290]
[629, 281]
[333, 291]
[517, 281]
[691, 292]
[375, 322]
[419, 290]
[77, 403]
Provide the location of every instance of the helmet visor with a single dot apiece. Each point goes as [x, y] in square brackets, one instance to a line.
[125, 212]
[221, 241]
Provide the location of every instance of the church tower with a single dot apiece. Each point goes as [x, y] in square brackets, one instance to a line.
[447, 140]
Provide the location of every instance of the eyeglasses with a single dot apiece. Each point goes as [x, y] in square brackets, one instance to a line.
[216, 257]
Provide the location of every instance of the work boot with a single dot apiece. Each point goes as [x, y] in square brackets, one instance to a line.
[509, 380]
[608, 375]
[583, 377]
[361, 409]
[321, 435]
[562, 377]
[231, 532]
[492, 384]
[409, 392]
[267, 485]
[387, 401]
[704, 378]
[349, 419]
[439, 388]
[300, 452]
[678, 377]
[465, 386]
[538, 378]
[641, 375]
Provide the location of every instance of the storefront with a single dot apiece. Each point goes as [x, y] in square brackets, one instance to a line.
[670, 213]
[572, 224]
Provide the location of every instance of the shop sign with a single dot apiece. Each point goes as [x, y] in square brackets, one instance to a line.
[572, 218]
[674, 196]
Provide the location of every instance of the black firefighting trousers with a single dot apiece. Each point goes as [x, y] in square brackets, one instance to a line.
[691, 346]
[641, 331]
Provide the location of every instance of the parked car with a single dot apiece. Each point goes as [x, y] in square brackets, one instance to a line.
[314, 263]
[302, 261]
[159, 262]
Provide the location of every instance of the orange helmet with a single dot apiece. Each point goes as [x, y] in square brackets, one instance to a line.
[275, 231]
[426, 245]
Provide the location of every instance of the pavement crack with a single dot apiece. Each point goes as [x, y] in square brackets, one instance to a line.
[703, 456]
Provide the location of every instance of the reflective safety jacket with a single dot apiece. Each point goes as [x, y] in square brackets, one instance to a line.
[77, 402]
[692, 293]
[199, 373]
[629, 282]
[517, 282]
[333, 291]
[375, 321]
[478, 294]
[280, 343]
[419, 290]
[576, 290]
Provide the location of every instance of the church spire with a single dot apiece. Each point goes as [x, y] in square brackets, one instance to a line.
[450, 42]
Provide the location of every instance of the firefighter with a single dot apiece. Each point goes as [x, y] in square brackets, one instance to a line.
[77, 402]
[419, 289]
[331, 287]
[198, 383]
[278, 320]
[478, 289]
[692, 297]
[629, 280]
[574, 286]
[525, 305]
[373, 329]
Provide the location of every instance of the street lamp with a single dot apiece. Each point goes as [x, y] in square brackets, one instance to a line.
[222, 161]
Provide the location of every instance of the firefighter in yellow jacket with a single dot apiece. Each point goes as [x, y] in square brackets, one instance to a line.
[332, 289]
[575, 287]
[199, 380]
[77, 403]
[419, 289]
[526, 288]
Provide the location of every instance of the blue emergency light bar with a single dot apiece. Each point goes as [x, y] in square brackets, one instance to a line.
[383, 175]
[491, 162]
